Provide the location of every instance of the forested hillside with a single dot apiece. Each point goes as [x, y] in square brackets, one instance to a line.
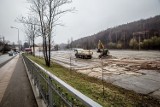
[142, 34]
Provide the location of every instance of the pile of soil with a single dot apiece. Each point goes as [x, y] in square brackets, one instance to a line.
[152, 65]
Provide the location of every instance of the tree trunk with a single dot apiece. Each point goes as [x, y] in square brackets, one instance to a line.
[49, 40]
[46, 52]
[33, 40]
[33, 48]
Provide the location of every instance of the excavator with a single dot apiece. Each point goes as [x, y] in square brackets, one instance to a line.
[103, 52]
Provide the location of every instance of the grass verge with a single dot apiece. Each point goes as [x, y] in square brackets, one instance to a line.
[92, 87]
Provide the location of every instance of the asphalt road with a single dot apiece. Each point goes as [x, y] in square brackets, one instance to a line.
[4, 58]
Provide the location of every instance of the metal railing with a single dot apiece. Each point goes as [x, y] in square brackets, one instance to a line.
[54, 91]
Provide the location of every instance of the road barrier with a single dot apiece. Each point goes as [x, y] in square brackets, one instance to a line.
[54, 91]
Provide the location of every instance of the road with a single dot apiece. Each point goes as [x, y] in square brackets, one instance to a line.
[4, 58]
[133, 70]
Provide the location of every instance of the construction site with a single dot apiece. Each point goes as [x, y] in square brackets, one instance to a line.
[133, 70]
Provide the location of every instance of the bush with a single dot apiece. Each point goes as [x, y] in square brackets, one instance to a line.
[119, 45]
[112, 45]
[153, 43]
[133, 43]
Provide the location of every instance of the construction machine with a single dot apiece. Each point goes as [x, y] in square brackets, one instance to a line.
[103, 52]
[84, 54]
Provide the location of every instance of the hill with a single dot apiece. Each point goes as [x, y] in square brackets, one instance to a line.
[144, 34]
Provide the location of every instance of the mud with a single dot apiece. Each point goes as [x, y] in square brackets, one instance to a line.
[118, 62]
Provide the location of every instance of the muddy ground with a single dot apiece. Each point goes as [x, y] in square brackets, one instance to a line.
[129, 61]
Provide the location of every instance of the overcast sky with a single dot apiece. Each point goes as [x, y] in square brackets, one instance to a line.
[90, 17]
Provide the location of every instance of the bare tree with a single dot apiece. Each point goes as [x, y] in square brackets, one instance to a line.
[31, 30]
[4, 45]
[48, 12]
[30, 33]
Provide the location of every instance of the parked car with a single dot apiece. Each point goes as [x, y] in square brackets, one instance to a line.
[11, 53]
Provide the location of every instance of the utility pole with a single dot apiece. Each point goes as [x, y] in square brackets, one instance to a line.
[3, 43]
[116, 37]
[18, 36]
[124, 33]
[0, 38]
[102, 79]
[3, 39]
[139, 42]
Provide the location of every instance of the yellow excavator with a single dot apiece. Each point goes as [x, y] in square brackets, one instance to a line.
[103, 52]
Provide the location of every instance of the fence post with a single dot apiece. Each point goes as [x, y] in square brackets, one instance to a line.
[50, 92]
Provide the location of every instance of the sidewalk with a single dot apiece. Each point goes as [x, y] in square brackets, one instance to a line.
[15, 88]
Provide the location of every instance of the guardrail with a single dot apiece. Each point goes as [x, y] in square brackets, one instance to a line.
[54, 91]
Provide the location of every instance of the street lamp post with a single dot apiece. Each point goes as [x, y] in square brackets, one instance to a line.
[18, 36]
